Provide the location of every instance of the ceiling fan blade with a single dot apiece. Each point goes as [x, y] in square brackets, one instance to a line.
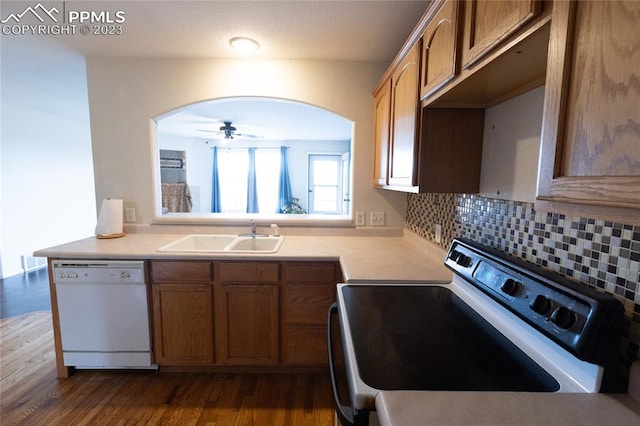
[247, 135]
[229, 131]
[211, 131]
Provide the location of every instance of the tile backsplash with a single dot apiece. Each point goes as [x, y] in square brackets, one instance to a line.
[600, 254]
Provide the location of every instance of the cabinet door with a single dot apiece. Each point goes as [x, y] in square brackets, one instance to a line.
[590, 152]
[183, 324]
[247, 324]
[404, 112]
[439, 42]
[382, 126]
[490, 22]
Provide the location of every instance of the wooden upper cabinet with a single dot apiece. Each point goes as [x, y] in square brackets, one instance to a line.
[404, 120]
[590, 156]
[439, 52]
[382, 118]
[490, 22]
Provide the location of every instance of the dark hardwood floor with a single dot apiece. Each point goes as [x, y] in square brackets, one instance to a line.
[25, 293]
[31, 394]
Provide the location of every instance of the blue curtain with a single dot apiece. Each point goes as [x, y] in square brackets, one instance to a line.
[216, 206]
[284, 191]
[252, 190]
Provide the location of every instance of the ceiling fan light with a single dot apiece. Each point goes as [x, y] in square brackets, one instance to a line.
[244, 44]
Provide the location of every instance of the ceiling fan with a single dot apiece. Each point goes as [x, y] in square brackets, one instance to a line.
[229, 131]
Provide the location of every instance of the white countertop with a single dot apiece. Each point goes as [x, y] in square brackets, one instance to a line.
[396, 259]
[415, 408]
[402, 259]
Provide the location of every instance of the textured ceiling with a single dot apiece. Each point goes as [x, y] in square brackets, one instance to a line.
[312, 30]
[328, 30]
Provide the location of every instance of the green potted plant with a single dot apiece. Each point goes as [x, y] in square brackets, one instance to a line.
[293, 207]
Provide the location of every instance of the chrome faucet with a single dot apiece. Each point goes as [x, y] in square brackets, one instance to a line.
[254, 232]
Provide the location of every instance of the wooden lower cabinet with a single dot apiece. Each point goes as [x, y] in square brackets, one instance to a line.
[242, 313]
[305, 346]
[183, 324]
[247, 303]
[309, 289]
[247, 324]
[183, 315]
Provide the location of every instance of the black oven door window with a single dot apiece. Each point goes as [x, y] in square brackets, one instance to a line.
[427, 338]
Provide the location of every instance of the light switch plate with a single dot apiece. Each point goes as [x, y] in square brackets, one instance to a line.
[130, 215]
[377, 218]
[360, 219]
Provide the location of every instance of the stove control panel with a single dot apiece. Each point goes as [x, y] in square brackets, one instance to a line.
[567, 312]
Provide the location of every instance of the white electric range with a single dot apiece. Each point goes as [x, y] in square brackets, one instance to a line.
[500, 325]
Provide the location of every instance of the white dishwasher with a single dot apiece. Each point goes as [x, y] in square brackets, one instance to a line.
[104, 313]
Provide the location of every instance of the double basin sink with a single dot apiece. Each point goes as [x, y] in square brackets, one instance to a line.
[210, 243]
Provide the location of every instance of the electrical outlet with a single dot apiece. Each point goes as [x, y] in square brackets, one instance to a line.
[130, 215]
[438, 233]
[360, 219]
[377, 218]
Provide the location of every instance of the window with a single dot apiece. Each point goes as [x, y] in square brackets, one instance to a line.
[233, 170]
[325, 184]
[268, 177]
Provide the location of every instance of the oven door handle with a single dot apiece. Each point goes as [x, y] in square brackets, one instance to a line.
[345, 413]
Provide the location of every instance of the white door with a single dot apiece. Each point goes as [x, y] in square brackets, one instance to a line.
[325, 184]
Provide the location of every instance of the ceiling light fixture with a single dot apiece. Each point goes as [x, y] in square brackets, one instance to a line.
[244, 44]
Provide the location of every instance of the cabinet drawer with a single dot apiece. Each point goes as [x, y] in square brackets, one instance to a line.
[263, 272]
[308, 304]
[184, 271]
[305, 346]
[311, 273]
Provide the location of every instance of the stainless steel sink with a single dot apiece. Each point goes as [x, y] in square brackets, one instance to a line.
[211, 243]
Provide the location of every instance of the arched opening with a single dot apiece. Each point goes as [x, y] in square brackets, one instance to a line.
[257, 157]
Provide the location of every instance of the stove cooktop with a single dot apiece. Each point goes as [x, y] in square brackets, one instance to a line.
[427, 338]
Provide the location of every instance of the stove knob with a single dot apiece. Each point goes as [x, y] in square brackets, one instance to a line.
[540, 305]
[463, 260]
[454, 255]
[563, 317]
[510, 287]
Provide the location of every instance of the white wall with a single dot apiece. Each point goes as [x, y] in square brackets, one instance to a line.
[511, 146]
[47, 194]
[126, 93]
